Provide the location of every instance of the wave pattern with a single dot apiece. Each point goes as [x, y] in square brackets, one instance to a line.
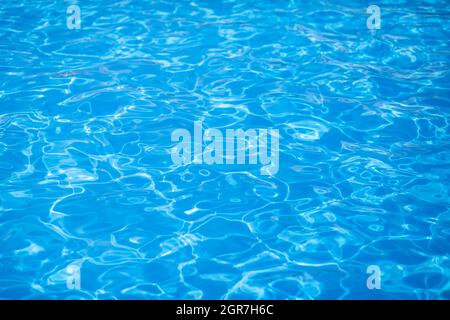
[87, 180]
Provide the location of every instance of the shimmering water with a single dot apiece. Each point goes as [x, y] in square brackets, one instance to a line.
[87, 181]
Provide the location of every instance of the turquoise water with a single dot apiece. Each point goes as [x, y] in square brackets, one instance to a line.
[87, 182]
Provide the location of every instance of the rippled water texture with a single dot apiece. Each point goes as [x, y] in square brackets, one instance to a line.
[87, 180]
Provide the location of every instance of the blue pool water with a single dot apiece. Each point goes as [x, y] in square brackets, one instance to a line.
[88, 189]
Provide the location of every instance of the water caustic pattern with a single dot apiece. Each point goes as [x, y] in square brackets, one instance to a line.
[89, 189]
